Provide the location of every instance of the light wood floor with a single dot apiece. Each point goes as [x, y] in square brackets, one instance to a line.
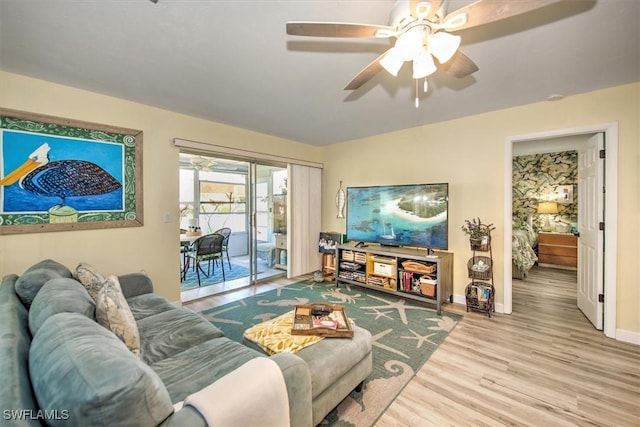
[543, 365]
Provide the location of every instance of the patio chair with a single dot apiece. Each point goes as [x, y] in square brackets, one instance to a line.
[207, 248]
[226, 232]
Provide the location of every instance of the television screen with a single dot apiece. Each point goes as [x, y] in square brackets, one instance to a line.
[399, 215]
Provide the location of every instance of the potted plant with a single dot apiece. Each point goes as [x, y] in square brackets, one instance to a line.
[479, 234]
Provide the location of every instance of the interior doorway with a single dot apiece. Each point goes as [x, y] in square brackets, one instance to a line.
[245, 199]
[608, 249]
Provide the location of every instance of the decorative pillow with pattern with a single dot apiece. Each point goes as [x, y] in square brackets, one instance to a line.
[90, 279]
[113, 312]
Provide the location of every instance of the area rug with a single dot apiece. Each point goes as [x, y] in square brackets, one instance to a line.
[405, 333]
[235, 272]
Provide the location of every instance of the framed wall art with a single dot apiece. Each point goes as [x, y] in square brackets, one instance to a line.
[328, 241]
[564, 194]
[60, 174]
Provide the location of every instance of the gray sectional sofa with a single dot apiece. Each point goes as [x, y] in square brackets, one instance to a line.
[60, 366]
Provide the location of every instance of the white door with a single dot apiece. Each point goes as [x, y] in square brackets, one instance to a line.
[590, 242]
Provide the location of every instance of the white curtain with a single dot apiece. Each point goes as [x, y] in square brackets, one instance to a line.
[305, 202]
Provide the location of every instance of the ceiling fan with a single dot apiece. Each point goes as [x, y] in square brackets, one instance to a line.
[422, 30]
[202, 163]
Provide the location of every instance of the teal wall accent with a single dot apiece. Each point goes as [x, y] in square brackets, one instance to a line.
[536, 177]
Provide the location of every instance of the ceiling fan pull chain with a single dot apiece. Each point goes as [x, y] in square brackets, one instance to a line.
[426, 85]
[417, 93]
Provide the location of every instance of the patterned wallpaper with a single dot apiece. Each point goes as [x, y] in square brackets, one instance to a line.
[536, 177]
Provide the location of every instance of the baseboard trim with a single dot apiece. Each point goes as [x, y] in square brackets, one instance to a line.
[628, 336]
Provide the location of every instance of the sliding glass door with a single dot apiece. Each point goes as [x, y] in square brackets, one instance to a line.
[269, 220]
[248, 198]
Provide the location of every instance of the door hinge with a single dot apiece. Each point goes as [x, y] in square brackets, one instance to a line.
[600, 297]
[601, 226]
[603, 154]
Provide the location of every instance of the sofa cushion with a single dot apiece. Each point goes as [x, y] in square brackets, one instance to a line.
[200, 365]
[170, 332]
[148, 304]
[30, 282]
[346, 353]
[113, 312]
[15, 392]
[90, 278]
[79, 366]
[60, 296]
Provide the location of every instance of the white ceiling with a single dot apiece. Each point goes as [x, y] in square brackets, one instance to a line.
[232, 62]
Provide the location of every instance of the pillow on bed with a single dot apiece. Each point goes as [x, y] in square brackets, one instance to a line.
[531, 235]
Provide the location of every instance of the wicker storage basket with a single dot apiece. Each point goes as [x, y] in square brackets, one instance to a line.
[480, 267]
[476, 301]
[482, 245]
[360, 257]
[428, 290]
[347, 255]
[419, 267]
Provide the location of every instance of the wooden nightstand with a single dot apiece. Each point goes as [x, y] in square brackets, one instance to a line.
[558, 250]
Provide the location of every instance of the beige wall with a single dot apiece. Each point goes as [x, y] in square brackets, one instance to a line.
[153, 247]
[469, 154]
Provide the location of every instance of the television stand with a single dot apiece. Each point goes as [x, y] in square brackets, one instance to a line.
[405, 272]
[389, 245]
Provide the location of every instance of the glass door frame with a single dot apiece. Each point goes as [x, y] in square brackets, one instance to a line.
[258, 214]
[254, 216]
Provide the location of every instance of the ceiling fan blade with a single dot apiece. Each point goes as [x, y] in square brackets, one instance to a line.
[485, 11]
[338, 29]
[366, 74]
[459, 66]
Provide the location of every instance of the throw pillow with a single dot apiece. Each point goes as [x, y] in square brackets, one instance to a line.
[113, 312]
[90, 279]
[28, 285]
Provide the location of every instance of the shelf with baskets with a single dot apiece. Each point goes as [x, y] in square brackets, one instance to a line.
[405, 272]
[480, 292]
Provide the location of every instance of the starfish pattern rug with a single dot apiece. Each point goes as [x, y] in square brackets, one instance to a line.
[404, 332]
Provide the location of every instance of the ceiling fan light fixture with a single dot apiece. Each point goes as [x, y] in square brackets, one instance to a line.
[410, 43]
[423, 65]
[444, 45]
[392, 61]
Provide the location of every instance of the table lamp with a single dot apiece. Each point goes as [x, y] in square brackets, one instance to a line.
[547, 208]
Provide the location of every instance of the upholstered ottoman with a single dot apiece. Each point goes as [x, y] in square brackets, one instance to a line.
[337, 365]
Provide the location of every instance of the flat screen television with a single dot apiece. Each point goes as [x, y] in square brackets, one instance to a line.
[399, 215]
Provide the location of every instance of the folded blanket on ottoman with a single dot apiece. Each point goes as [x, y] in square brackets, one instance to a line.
[274, 336]
[254, 394]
